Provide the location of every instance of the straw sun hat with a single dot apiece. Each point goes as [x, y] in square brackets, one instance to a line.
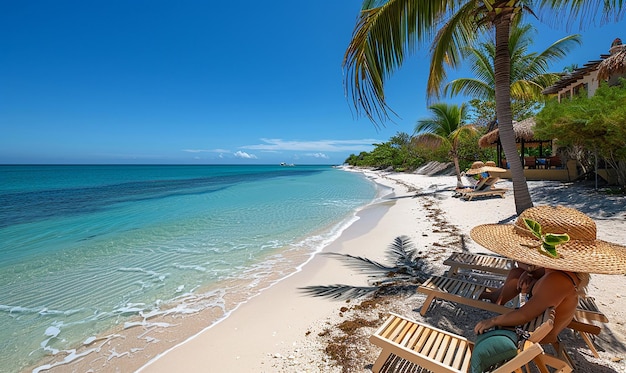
[582, 253]
[479, 167]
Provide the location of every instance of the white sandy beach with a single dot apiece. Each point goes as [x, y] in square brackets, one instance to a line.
[283, 330]
[279, 331]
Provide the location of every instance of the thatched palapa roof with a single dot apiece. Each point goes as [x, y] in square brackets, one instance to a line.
[523, 130]
[614, 64]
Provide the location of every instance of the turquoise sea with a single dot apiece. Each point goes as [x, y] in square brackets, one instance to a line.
[84, 248]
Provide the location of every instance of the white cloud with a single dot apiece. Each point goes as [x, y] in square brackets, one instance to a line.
[245, 155]
[318, 155]
[314, 146]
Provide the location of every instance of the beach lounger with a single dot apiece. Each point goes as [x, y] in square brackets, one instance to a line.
[466, 291]
[457, 290]
[469, 195]
[478, 262]
[589, 314]
[485, 187]
[408, 344]
[483, 184]
[498, 265]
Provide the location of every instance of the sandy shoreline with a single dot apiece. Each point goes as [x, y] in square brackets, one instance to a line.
[283, 330]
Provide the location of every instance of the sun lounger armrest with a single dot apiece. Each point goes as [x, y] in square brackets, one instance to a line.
[584, 327]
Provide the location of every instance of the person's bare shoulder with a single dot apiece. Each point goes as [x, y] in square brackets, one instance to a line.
[553, 285]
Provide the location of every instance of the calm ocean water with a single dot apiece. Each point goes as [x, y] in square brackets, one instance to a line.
[84, 248]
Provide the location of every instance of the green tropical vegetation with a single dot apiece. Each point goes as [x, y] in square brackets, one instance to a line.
[398, 154]
[529, 74]
[406, 153]
[387, 31]
[529, 70]
[588, 130]
[484, 111]
[412, 153]
[591, 128]
[447, 125]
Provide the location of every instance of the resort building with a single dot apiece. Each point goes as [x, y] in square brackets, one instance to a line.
[548, 163]
[610, 67]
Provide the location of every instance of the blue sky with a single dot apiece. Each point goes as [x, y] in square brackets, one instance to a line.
[199, 82]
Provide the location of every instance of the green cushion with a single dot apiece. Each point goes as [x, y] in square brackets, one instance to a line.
[493, 347]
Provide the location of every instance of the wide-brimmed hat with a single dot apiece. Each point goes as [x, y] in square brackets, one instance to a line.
[582, 253]
[479, 167]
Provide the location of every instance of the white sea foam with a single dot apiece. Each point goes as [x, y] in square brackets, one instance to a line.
[146, 324]
[194, 267]
[72, 354]
[42, 311]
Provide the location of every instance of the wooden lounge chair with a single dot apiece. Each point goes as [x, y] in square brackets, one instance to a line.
[483, 184]
[484, 188]
[406, 343]
[498, 265]
[457, 290]
[478, 262]
[464, 291]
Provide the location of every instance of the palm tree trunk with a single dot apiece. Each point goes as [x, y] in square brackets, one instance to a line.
[457, 169]
[502, 67]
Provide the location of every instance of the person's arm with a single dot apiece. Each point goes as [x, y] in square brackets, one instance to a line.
[549, 291]
[510, 288]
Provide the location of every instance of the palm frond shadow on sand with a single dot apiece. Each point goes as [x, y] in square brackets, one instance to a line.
[408, 271]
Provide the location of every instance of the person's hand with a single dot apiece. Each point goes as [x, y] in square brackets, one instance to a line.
[484, 325]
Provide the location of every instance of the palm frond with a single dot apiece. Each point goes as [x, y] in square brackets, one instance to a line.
[385, 33]
[456, 34]
[429, 140]
[446, 119]
[528, 70]
[398, 278]
[558, 49]
[339, 291]
[401, 249]
[585, 12]
[470, 87]
[462, 132]
[526, 90]
[483, 64]
[403, 277]
[364, 264]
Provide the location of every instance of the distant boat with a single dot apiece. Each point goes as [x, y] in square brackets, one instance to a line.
[287, 165]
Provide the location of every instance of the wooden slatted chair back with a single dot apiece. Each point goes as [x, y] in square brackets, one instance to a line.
[408, 344]
[479, 262]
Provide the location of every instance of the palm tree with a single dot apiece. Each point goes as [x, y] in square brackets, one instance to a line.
[529, 75]
[388, 30]
[447, 125]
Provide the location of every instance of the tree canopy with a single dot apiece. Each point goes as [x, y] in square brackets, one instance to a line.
[597, 123]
